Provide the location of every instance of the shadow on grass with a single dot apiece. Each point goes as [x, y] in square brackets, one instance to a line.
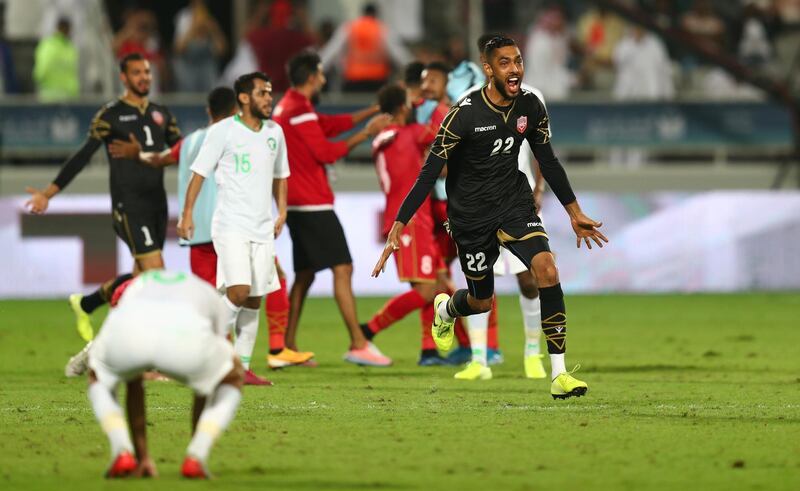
[640, 368]
[294, 479]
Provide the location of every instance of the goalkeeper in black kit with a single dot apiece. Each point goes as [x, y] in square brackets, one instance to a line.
[490, 202]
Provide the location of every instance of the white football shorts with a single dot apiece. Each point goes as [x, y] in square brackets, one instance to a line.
[148, 335]
[244, 262]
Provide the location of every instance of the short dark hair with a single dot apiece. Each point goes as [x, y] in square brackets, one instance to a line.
[496, 43]
[439, 66]
[123, 63]
[391, 97]
[63, 23]
[221, 102]
[484, 40]
[371, 10]
[302, 66]
[412, 75]
[247, 82]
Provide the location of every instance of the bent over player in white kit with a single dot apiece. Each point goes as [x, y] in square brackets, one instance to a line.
[175, 323]
[247, 154]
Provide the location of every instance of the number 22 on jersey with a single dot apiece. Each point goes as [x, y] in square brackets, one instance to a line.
[498, 144]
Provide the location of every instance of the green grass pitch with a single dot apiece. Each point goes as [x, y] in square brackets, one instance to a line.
[685, 392]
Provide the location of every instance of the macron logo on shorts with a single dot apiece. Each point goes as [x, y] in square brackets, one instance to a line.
[534, 224]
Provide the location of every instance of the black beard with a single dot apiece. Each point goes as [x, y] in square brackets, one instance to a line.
[501, 87]
[139, 93]
[315, 99]
[257, 113]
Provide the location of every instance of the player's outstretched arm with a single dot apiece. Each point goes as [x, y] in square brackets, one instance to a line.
[186, 222]
[365, 113]
[40, 198]
[373, 127]
[392, 244]
[585, 228]
[553, 172]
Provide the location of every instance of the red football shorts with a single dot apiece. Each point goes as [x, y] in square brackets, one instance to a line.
[203, 262]
[445, 243]
[418, 259]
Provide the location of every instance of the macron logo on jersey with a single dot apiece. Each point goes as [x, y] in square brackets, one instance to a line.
[480, 129]
[466, 102]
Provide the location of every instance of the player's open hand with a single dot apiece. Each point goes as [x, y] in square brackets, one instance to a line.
[186, 227]
[147, 468]
[585, 229]
[392, 244]
[38, 202]
[121, 149]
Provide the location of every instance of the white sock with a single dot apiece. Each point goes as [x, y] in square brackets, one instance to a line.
[111, 418]
[478, 328]
[557, 365]
[443, 313]
[232, 312]
[246, 332]
[532, 319]
[216, 416]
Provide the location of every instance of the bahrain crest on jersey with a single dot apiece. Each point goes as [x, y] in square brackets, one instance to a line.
[159, 118]
[522, 123]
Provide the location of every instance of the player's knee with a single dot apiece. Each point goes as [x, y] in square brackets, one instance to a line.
[343, 270]
[252, 303]
[547, 274]
[527, 285]
[238, 294]
[481, 305]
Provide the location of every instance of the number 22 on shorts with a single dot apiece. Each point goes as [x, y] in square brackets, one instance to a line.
[476, 262]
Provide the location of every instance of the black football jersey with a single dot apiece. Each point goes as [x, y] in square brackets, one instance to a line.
[133, 184]
[480, 142]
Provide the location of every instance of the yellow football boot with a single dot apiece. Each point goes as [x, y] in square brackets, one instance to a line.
[442, 331]
[534, 367]
[82, 321]
[474, 371]
[565, 385]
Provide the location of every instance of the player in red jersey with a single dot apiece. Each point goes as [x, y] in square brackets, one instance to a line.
[398, 152]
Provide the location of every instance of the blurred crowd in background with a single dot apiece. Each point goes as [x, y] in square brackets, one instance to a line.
[63, 49]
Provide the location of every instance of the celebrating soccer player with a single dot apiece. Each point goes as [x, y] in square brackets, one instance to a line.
[247, 154]
[490, 202]
[183, 338]
[138, 199]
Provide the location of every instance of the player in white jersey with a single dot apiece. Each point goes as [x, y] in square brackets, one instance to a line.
[247, 154]
[175, 323]
[508, 263]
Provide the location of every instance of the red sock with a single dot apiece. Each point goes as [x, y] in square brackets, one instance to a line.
[491, 339]
[461, 333]
[395, 309]
[426, 318]
[276, 308]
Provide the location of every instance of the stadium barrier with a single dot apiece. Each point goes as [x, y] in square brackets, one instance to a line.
[30, 130]
[660, 242]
